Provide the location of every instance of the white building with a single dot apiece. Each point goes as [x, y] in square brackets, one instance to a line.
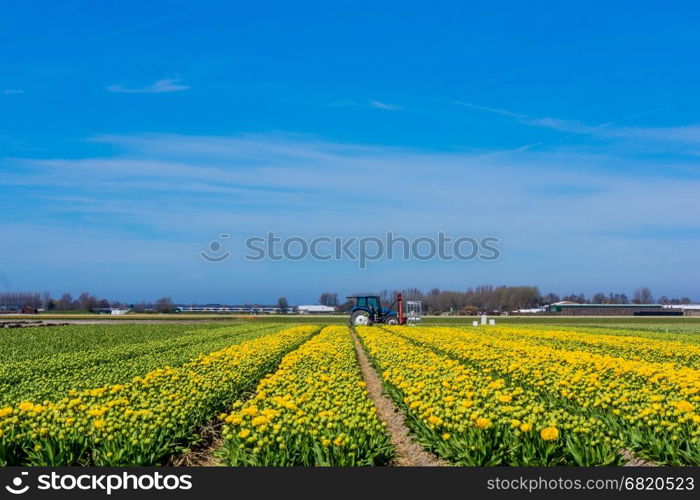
[690, 307]
[315, 309]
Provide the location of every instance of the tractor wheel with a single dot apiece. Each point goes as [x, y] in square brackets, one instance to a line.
[391, 320]
[359, 318]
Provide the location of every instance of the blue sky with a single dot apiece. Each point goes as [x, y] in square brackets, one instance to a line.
[134, 133]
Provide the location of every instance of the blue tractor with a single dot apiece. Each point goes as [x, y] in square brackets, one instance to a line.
[368, 310]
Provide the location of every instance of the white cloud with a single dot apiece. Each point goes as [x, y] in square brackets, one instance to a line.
[170, 175]
[383, 105]
[159, 87]
[563, 215]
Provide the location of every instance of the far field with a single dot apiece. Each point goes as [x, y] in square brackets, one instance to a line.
[686, 323]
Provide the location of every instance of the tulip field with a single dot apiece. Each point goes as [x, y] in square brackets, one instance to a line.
[296, 395]
[522, 397]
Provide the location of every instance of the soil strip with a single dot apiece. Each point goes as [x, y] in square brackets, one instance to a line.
[203, 453]
[633, 461]
[408, 452]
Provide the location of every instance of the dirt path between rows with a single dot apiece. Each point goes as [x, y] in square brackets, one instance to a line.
[633, 461]
[408, 452]
[202, 454]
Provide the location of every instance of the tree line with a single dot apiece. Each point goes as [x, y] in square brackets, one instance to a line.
[14, 301]
[484, 298]
[488, 298]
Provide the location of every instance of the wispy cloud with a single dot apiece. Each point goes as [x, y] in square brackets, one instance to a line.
[689, 134]
[490, 110]
[610, 130]
[383, 105]
[140, 26]
[12, 91]
[162, 86]
[562, 125]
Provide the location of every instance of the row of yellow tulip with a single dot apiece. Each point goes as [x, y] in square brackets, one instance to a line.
[652, 407]
[477, 418]
[40, 342]
[48, 378]
[625, 346]
[314, 410]
[144, 420]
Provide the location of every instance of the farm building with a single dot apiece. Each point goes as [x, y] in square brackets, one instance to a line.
[229, 309]
[687, 309]
[109, 310]
[315, 309]
[573, 309]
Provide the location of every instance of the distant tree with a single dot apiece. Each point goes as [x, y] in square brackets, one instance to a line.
[13, 301]
[579, 299]
[642, 296]
[346, 306]
[599, 298]
[283, 304]
[65, 303]
[140, 307]
[550, 298]
[328, 299]
[432, 301]
[45, 298]
[412, 294]
[674, 301]
[387, 297]
[615, 298]
[164, 305]
[85, 301]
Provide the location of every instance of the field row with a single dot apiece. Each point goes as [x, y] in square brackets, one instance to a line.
[314, 410]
